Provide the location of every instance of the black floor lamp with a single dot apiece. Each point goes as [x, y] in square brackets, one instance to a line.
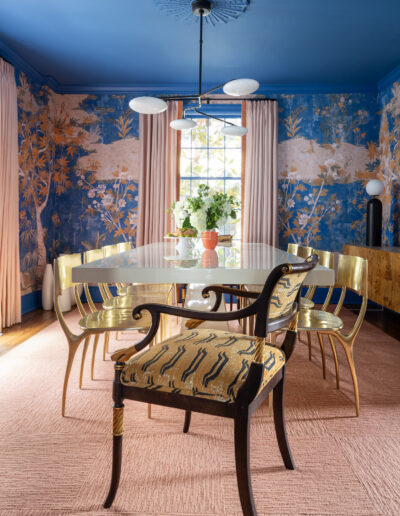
[374, 213]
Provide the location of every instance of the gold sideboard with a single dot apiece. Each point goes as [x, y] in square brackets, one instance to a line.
[383, 273]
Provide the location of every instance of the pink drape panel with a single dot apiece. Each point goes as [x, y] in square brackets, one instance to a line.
[158, 177]
[10, 295]
[261, 175]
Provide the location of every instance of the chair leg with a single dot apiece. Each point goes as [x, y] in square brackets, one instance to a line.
[188, 414]
[321, 345]
[84, 351]
[96, 341]
[271, 403]
[242, 458]
[105, 346]
[118, 431]
[335, 357]
[279, 421]
[309, 345]
[149, 411]
[350, 359]
[71, 354]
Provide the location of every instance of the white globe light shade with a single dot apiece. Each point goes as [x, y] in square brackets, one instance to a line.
[234, 130]
[375, 187]
[239, 87]
[182, 124]
[148, 105]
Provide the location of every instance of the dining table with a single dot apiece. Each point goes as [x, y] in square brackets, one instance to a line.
[162, 262]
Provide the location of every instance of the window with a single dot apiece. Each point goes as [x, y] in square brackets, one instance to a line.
[207, 157]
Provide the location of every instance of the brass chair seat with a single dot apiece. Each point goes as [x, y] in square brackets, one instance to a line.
[114, 320]
[318, 320]
[306, 304]
[139, 289]
[130, 301]
[203, 363]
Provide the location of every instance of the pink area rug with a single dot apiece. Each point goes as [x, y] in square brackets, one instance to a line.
[344, 465]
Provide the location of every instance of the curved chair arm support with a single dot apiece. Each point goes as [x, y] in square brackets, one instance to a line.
[327, 299]
[78, 301]
[196, 314]
[349, 337]
[341, 301]
[122, 355]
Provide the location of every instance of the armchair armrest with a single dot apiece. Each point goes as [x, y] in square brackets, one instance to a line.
[222, 289]
[157, 309]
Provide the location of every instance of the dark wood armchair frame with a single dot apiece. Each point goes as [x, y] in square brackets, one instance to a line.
[248, 397]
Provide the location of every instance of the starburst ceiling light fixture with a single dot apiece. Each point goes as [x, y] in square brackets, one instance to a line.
[235, 88]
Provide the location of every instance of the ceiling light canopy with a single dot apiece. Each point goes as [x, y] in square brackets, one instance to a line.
[235, 88]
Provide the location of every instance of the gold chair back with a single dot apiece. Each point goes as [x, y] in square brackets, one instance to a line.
[63, 271]
[325, 258]
[124, 246]
[293, 249]
[109, 250]
[93, 255]
[89, 257]
[351, 274]
[304, 252]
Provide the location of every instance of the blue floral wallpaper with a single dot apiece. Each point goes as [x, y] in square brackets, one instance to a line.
[79, 169]
[327, 152]
[389, 136]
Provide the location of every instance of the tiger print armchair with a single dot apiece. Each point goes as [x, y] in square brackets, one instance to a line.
[215, 372]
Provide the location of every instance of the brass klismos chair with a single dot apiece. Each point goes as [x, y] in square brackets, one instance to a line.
[91, 324]
[352, 274]
[325, 259]
[215, 372]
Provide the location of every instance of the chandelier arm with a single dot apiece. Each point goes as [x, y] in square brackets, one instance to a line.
[211, 116]
[214, 89]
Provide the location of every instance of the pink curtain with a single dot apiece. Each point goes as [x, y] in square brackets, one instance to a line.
[158, 182]
[10, 295]
[260, 209]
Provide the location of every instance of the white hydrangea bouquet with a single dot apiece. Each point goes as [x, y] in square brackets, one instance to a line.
[204, 213]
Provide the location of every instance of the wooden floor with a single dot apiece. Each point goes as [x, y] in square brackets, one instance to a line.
[32, 323]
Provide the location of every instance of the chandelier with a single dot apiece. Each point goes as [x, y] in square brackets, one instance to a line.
[234, 88]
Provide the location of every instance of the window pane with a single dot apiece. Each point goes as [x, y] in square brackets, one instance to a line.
[199, 133]
[185, 188]
[186, 139]
[233, 141]
[206, 154]
[216, 163]
[216, 138]
[186, 163]
[233, 162]
[200, 163]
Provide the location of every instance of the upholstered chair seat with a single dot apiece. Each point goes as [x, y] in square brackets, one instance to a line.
[203, 363]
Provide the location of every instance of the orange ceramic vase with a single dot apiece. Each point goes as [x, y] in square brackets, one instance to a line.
[210, 239]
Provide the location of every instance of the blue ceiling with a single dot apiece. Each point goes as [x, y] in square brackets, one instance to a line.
[131, 42]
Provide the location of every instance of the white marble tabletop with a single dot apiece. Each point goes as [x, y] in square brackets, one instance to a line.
[161, 263]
